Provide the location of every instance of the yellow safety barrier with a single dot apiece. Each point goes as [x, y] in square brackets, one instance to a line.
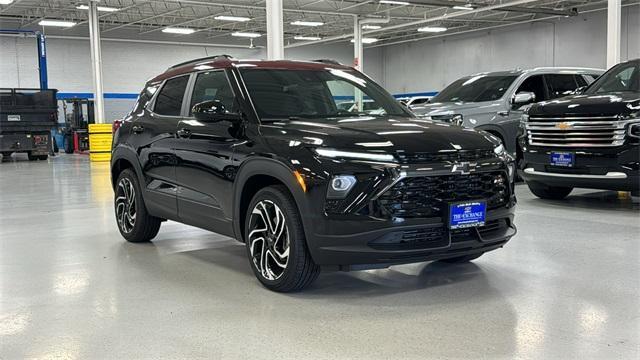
[100, 138]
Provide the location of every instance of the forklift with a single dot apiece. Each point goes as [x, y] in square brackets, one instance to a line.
[79, 113]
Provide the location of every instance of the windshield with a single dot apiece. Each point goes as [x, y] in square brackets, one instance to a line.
[283, 94]
[475, 89]
[621, 78]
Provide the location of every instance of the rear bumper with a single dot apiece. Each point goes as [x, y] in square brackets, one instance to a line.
[606, 169]
[364, 248]
[36, 143]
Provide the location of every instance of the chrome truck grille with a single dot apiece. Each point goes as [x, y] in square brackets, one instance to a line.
[577, 131]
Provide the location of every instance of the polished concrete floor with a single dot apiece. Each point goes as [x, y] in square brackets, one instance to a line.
[566, 287]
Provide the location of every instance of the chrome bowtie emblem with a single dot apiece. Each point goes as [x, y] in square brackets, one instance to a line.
[463, 167]
[563, 126]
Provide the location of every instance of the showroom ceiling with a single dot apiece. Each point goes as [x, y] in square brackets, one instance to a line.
[419, 19]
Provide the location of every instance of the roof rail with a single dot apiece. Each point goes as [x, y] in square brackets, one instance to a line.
[327, 61]
[200, 59]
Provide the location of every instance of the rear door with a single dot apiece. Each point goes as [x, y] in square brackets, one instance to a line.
[204, 150]
[153, 135]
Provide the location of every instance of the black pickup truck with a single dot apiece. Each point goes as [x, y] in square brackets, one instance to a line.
[26, 119]
[588, 140]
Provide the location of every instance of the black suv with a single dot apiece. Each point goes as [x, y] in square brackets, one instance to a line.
[589, 140]
[261, 151]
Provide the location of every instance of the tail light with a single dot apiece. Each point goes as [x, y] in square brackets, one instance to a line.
[116, 125]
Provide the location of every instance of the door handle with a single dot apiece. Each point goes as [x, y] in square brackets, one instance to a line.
[137, 129]
[504, 113]
[184, 133]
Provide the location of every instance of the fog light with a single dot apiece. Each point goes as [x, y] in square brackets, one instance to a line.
[340, 186]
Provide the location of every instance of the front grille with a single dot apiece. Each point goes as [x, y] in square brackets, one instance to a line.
[428, 196]
[425, 238]
[583, 131]
[462, 155]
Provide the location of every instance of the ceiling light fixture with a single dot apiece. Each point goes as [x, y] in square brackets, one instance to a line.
[232, 18]
[464, 7]
[307, 23]
[371, 27]
[246, 34]
[307, 38]
[392, 2]
[432, 29]
[58, 23]
[182, 31]
[100, 8]
[5, 2]
[367, 40]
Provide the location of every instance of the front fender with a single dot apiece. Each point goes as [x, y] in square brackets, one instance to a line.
[123, 152]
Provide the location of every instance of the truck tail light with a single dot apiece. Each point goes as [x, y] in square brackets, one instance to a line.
[116, 125]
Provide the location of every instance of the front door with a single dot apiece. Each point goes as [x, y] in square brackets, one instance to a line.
[205, 170]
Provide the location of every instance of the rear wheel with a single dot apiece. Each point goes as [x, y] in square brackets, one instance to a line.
[43, 157]
[68, 144]
[276, 243]
[31, 156]
[134, 222]
[549, 192]
[461, 259]
[6, 156]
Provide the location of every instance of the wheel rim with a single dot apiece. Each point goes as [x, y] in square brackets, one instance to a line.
[268, 240]
[126, 205]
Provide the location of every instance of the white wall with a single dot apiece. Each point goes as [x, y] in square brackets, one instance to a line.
[430, 65]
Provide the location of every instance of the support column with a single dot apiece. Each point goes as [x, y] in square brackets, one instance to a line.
[613, 32]
[357, 57]
[42, 61]
[96, 62]
[275, 32]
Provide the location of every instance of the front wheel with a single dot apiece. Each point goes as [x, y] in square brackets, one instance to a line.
[549, 192]
[276, 243]
[134, 222]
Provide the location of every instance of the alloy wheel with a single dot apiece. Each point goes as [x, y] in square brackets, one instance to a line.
[126, 205]
[269, 240]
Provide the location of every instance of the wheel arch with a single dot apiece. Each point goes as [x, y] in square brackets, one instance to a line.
[122, 159]
[257, 174]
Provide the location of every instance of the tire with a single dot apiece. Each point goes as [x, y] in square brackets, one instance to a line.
[31, 156]
[286, 236]
[139, 227]
[461, 259]
[6, 156]
[43, 157]
[549, 192]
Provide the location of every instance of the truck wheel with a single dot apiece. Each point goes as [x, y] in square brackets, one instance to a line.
[31, 156]
[276, 243]
[43, 157]
[6, 156]
[461, 259]
[134, 222]
[549, 192]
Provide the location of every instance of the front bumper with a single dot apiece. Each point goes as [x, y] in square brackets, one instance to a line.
[367, 238]
[365, 248]
[606, 169]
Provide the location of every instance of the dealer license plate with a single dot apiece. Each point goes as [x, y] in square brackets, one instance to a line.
[564, 159]
[467, 214]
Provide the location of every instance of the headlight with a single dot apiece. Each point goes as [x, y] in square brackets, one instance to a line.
[330, 153]
[499, 150]
[634, 130]
[340, 186]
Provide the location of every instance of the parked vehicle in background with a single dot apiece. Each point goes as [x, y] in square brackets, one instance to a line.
[264, 152]
[412, 101]
[589, 140]
[26, 119]
[495, 101]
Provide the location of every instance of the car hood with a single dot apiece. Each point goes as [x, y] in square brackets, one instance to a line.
[452, 108]
[610, 104]
[378, 134]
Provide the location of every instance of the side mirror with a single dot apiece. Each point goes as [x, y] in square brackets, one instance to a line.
[213, 111]
[524, 98]
[579, 90]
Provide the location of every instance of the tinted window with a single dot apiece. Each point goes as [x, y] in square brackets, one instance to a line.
[280, 94]
[477, 88]
[169, 101]
[419, 101]
[534, 84]
[561, 85]
[623, 77]
[212, 85]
